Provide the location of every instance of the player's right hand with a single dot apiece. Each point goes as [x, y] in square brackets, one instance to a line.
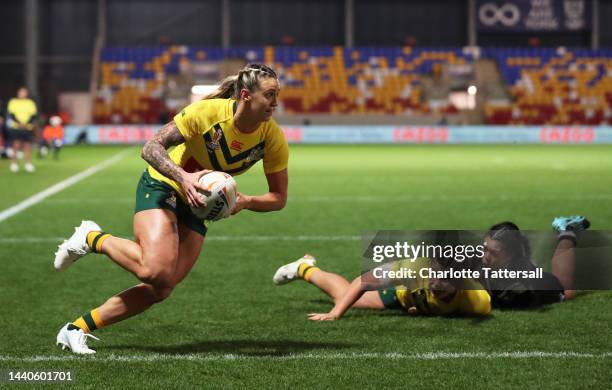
[193, 189]
[322, 317]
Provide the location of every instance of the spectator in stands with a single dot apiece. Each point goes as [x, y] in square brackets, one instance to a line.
[21, 125]
[52, 138]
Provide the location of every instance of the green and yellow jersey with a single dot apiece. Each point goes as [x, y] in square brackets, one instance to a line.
[213, 142]
[21, 114]
[472, 299]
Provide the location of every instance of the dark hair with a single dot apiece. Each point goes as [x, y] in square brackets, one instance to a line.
[514, 243]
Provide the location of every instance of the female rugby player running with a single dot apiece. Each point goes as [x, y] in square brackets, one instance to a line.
[228, 131]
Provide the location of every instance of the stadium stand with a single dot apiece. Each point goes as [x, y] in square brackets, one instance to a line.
[545, 85]
[554, 86]
[332, 80]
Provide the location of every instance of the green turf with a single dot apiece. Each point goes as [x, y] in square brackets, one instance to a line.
[228, 325]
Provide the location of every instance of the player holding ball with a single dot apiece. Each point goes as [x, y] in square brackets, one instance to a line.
[228, 131]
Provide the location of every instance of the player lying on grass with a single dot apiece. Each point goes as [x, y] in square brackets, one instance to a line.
[505, 247]
[428, 296]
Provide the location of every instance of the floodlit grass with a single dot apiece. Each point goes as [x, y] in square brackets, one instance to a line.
[228, 325]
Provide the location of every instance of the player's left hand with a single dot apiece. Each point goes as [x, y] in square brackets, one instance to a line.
[242, 201]
[322, 317]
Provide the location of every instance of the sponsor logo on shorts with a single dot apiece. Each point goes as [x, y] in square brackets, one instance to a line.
[171, 200]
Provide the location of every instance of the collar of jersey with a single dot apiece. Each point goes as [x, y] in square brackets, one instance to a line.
[233, 125]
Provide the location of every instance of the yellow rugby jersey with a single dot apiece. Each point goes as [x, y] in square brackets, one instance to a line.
[475, 300]
[213, 142]
[21, 114]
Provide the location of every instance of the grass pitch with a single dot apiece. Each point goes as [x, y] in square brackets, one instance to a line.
[228, 325]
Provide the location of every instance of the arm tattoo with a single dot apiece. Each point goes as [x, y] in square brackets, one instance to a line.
[155, 151]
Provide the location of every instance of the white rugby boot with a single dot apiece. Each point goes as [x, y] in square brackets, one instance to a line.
[289, 272]
[75, 339]
[75, 247]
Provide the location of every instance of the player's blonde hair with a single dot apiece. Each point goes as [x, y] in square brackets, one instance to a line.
[247, 78]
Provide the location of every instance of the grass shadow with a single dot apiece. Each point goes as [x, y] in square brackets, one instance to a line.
[239, 347]
[544, 308]
[474, 320]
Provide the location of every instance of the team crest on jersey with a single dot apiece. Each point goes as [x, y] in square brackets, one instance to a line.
[214, 143]
[171, 200]
[256, 154]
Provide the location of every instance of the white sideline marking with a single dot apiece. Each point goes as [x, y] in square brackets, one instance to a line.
[62, 185]
[311, 356]
[34, 240]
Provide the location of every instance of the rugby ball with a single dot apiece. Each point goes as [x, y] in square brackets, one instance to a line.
[222, 198]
